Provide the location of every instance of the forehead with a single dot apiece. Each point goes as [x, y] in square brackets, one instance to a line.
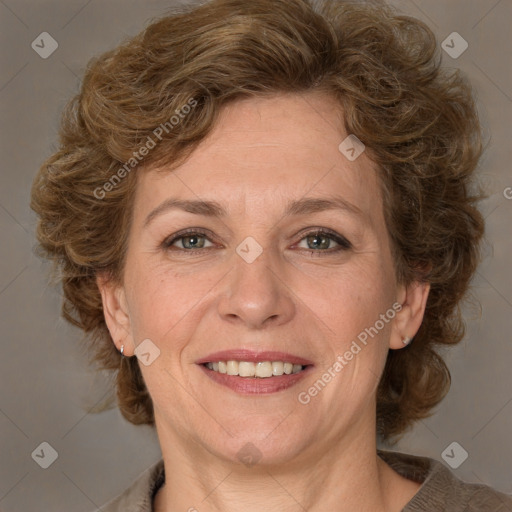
[266, 150]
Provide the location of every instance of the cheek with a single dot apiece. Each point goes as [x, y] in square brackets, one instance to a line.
[333, 303]
[358, 310]
[350, 296]
[162, 301]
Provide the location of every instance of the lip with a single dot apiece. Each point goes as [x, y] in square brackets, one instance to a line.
[256, 385]
[253, 357]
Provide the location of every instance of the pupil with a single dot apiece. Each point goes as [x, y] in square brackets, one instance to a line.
[315, 238]
[192, 241]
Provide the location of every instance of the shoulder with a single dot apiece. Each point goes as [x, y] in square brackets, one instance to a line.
[441, 490]
[139, 496]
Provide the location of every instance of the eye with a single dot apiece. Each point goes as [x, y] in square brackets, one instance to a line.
[189, 240]
[317, 241]
[322, 239]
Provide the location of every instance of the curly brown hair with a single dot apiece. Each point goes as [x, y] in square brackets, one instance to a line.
[417, 119]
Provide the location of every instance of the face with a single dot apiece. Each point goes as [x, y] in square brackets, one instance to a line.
[269, 275]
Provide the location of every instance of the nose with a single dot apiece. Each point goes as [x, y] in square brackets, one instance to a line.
[256, 294]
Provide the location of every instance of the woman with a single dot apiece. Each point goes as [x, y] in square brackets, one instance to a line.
[264, 218]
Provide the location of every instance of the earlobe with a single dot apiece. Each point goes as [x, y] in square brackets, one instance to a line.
[413, 298]
[116, 313]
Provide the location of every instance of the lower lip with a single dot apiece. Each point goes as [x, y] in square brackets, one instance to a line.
[256, 385]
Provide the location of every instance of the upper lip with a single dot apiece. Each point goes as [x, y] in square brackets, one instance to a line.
[253, 356]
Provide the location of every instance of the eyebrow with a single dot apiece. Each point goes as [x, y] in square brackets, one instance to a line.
[304, 206]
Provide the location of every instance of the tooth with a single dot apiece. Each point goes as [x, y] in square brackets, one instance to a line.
[264, 369]
[232, 367]
[261, 369]
[277, 368]
[246, 369]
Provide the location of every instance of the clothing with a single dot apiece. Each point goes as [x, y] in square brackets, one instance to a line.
[441, 490]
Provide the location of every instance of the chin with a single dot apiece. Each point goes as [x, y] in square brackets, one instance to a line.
[264, 446]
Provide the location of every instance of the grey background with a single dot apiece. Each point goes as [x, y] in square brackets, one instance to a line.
[46, 388]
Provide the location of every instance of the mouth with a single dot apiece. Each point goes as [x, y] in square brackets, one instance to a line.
[248, 372]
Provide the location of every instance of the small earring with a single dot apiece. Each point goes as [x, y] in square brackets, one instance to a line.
[406, 340]
[122, 349]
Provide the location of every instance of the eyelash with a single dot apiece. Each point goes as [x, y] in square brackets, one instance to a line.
[343, 243]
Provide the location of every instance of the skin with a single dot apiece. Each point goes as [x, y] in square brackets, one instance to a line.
[294, 297]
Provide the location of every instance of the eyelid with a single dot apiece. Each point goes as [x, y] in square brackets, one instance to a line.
[168, 241]
[342, 241]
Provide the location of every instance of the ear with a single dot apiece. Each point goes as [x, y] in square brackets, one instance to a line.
[116, 313]
[413, 298]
